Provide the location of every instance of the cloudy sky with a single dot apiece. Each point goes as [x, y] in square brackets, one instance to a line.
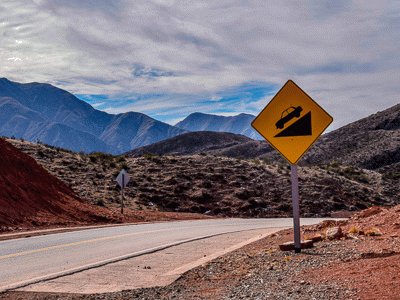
[170, 58]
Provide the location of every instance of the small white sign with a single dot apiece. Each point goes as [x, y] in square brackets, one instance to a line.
[123, 178]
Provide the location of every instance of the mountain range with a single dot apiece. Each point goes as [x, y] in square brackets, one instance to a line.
[240, 124]
[42, 112]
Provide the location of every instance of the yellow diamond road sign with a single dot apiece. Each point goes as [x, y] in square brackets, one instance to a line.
[292, 122]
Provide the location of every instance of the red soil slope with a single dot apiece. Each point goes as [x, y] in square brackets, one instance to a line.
[29, 195]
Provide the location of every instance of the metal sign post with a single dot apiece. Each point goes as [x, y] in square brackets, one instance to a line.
[296, 208]
[122, 194]
[122, 179]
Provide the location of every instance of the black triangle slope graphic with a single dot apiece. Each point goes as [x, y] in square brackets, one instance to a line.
[301, 127]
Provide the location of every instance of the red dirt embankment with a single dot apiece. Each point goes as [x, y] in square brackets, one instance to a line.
[373, 270]
[29, 195]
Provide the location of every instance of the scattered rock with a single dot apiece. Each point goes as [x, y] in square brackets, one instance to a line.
[334, 233]
[373, 232]
[317, 238]
[351, 236]
[289, 246]
[370, 212]
[327, 223]
[378, 254]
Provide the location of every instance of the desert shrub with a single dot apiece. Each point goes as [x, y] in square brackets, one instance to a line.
[391, 176]
[216, 211]
[99, 176]
[373, 231]
[101, 156]
[120, 159]
[171, 204]
[64, 162]
[72, 167]
[334, 164]
[348, 172]
[281, 168]
[100, 202]
[266, 160]
[41, 154]
[124, 166]
[362, 178]
[149, 155]
[285, 207]
[353, 230]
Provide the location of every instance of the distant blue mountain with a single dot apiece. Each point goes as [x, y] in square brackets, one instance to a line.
[240, 124]
[36, 111]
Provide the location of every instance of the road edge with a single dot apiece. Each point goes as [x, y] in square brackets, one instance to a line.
[115, 259]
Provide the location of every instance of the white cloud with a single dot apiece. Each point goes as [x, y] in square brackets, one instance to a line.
[14, 59]
[343, 53]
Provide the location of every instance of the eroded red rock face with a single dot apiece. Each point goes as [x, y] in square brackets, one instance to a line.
[29, 195]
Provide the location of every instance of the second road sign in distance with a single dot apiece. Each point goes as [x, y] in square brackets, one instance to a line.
[292, 121]
[123, 179]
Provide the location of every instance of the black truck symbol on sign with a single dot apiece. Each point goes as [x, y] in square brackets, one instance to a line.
[287, 115]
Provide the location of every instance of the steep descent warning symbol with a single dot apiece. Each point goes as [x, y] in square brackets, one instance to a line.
[301, 127]
[292, 121]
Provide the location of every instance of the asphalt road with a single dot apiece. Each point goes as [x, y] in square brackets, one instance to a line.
[28, 260]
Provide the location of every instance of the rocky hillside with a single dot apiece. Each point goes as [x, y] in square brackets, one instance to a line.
[371, 143]
[213, 185]
[29, 195]
[240, 124]
[42, 112]
[212, 143]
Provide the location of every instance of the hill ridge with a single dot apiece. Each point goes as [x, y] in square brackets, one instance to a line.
[238, 124]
